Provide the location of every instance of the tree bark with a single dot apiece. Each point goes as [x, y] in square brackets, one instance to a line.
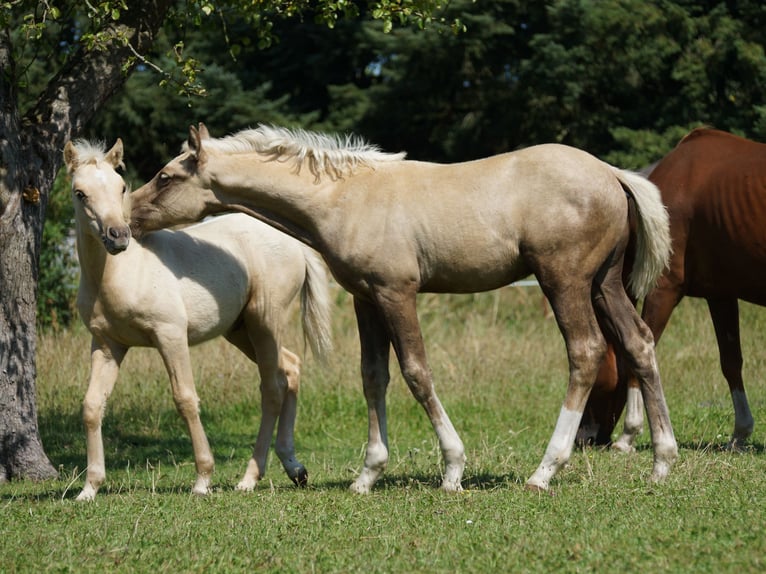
[30, 156]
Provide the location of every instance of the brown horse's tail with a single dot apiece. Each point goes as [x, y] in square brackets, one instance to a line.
[316, 306]
[653, 244]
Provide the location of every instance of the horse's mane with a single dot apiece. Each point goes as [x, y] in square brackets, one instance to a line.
[90, 152]
[332, 155]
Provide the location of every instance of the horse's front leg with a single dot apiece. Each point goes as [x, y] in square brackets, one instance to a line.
[104, 368]
[400, 313]
[375, 349]
[173, 347]
[725, 316]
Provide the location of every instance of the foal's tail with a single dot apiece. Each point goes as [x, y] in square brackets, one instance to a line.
[316, 305]
[653, 244]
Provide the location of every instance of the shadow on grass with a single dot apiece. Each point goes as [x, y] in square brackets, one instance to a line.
[702, 446]
[482, 481]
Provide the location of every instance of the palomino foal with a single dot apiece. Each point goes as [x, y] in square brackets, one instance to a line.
[390, 228]
[232, 276]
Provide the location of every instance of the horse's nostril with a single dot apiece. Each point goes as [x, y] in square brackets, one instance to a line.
[116, 233]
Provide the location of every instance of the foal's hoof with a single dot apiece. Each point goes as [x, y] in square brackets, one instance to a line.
[301, 478]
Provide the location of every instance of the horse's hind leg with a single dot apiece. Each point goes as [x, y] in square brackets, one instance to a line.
[104, 368]
[290, 365]
[279, 372]
[586, 349]
[725, 316]
[658, 306]
[630, 334]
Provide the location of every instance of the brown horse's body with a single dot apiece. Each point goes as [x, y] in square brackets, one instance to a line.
[714, 186]
[390, 228]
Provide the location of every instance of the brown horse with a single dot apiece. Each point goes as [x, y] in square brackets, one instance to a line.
[714, 186]
[390, 228]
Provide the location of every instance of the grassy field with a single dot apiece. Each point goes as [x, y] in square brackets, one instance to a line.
[500, 370]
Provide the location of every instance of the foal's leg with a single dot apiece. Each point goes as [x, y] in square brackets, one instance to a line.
[658, 306]
[725, 315]
[375, 349]
[586, 349]
[174, 349]
[285, 443]
[104, 368]
[631, 335]
[398, 309]
[280, 372]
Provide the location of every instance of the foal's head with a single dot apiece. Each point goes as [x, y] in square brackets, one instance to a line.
[101, 199]
[179, 192]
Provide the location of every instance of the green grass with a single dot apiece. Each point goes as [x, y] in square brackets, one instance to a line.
[500, 370]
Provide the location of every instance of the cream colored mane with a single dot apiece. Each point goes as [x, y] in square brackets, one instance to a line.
[324, 154]
[89, 152]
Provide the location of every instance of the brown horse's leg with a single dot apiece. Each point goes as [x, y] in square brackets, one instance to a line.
[605, 403]
[725, 316]
[174, 348]
[586, 348]
[633, 338]
[658, 306]
[104, 368]
[375, 348]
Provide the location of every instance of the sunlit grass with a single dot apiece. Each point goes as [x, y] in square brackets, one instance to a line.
[500, 369]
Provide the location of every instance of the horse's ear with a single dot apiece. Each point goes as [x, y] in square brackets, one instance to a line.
[195, 145]
[70, 157]
[203, 133]
[114, 155]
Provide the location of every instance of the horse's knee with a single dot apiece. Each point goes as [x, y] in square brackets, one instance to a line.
[92, 413]
[187, 403]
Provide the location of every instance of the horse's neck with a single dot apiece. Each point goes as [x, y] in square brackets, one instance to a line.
[93, 259]
[273, 192]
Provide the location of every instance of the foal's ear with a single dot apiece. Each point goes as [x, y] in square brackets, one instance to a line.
[114, 155]
[70, 157]
[203, 133]
[195, 144]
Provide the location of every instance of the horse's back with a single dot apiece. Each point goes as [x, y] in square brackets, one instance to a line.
[714, 185]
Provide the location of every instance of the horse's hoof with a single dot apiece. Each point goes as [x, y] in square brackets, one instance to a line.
[358, 488]
[301, 479]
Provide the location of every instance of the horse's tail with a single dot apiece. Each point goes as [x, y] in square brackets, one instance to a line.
[653, 243]
[316, 306]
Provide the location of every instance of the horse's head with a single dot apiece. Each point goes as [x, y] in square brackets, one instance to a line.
[101, 200]
[179, 193]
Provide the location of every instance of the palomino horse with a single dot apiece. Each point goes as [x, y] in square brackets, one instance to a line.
[389, 228]
[714, 186]
[231, 276]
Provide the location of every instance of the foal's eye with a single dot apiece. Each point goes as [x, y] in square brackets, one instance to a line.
[79, 194]
[163, 179]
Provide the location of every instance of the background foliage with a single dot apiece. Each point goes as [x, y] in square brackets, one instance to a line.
[623, 79]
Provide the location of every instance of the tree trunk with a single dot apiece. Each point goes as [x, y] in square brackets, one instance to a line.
[30, 156]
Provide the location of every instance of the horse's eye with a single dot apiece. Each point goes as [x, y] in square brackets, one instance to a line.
[163, 179]
[79, 194]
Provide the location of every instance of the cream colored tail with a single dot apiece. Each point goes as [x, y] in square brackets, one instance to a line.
[316, 306]
[653, 243]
